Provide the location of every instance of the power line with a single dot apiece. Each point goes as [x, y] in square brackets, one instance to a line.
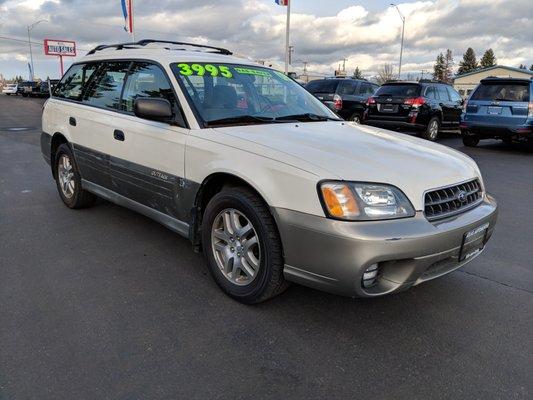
[32, 42]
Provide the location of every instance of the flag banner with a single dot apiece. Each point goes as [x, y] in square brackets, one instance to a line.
[128, 15]
[282, 2]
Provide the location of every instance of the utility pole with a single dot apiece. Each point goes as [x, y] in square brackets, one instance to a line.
[30, 27]
[401, 46]
[287, 30]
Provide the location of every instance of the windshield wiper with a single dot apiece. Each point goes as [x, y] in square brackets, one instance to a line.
[250, 119]
[306, 117]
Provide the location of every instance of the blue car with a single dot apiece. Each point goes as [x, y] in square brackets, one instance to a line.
[499, 108]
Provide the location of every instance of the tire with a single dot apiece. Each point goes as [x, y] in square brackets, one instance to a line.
[24, 95]
[71, 193]
[356, 117]
[432, 129]
[221, 246]
[470, 140]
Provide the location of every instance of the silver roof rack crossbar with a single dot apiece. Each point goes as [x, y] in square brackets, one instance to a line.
[144, 42]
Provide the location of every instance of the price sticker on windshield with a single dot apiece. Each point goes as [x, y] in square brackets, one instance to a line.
[186, 69]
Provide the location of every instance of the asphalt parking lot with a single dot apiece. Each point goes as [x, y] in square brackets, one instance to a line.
[104, 303]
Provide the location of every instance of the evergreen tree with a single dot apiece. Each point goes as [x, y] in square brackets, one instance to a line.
[531, 68]
[469, 62]
[438, 68]
[522, 66]
[488, 59]
[357, 74]
[448, 67]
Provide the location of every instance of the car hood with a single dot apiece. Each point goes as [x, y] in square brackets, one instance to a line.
[341, 150]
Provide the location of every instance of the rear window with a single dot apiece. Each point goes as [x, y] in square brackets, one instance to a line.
[323, 86]
[502, 92]
[399, 90]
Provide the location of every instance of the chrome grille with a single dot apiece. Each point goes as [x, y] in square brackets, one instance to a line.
[451, 200]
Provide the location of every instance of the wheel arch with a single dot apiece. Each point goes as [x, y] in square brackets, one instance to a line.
[210, 186]
[57, 140]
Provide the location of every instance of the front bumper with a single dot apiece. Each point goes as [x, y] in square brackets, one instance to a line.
[332, 255]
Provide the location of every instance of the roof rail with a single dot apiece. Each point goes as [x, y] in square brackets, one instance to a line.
[144, 42]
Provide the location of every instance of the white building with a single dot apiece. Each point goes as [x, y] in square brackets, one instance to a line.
[466, 83]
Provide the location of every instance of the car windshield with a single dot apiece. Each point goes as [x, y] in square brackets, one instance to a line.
[408, 90]
[233, 94]
[502, 92]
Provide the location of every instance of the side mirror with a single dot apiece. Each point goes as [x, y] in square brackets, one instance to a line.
[153, 109]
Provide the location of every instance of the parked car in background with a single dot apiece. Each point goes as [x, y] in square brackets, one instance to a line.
[347, 97]
[26, 88]
[425, 106]
[43, 90]
[10, 88]
[499, 108]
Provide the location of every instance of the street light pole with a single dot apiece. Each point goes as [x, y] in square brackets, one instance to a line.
[30, 27]
[401, 46]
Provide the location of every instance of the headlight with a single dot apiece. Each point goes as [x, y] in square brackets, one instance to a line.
[359, 201]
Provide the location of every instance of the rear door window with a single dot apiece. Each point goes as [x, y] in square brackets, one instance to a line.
[367, 89]
[74, 81]
[516, 92]
[442, 93]
[400, 90]
[146, 80]
[348, 88]
[105, 90]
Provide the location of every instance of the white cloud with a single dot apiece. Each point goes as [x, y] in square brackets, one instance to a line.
[256, 28]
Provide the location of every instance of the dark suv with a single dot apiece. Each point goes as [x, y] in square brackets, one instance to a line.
[425, 106]
[27, 88]
[499, 108]
[347, 97]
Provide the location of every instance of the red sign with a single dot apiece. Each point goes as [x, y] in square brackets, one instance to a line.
[64, 48]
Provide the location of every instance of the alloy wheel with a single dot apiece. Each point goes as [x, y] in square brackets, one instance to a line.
[433, 129]
[235, 247]
[65, 175]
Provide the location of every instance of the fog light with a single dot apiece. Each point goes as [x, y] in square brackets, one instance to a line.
[370, 276]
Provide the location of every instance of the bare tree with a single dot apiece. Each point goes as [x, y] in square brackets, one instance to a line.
[385, 73]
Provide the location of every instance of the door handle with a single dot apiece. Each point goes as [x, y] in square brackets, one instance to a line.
[72, 121]
[118, 135]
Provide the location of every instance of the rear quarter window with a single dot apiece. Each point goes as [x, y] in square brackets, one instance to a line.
[518, 92]
[323, 86]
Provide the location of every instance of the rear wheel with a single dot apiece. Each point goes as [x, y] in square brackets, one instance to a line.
[68, 180]
[432, 129]
[242, 246]
[470, 140]
[356, 117]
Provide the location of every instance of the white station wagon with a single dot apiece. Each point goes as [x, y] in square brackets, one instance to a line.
[256, 172]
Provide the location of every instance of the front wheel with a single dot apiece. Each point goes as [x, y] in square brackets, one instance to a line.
[242, 246]
[68, 180]
[432, 129]
[470, 140]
